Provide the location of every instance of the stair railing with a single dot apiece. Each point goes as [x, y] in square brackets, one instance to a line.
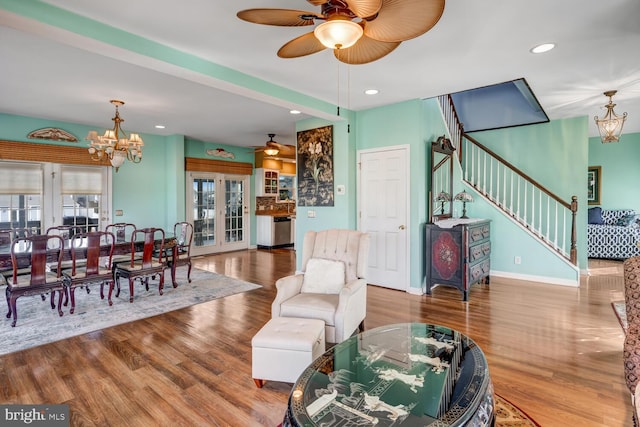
[542, 213]
[452, 121]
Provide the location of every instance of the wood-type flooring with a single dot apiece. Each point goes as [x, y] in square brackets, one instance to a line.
[554, 351]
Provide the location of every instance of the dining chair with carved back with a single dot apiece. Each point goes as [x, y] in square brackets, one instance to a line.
[123, 232]
[181, 254]
[88, 265]
[40, 280]
[7, 235]
[148, 266]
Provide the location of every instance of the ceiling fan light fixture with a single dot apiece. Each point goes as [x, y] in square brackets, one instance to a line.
[271, 151]
[338, 33]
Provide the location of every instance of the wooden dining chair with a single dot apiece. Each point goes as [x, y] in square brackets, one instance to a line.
[39, 281]
[7, 235]
[146, 267]
[123, 232]
[181, 254]
[88, 265]
[64, 231]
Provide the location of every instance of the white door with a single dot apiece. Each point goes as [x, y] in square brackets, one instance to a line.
[383, 213]
[216, 205]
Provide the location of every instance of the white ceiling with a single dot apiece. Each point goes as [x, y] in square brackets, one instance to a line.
[55, 74]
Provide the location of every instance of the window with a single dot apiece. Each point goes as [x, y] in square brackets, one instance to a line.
[74, 195]
[21, 196]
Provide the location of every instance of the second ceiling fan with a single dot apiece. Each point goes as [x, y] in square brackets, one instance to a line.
[358, 31]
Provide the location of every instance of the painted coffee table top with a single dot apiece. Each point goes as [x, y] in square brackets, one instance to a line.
[408, 374]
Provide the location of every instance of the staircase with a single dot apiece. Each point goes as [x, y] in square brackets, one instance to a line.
[538, 211]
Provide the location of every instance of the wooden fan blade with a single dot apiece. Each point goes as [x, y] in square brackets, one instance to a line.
[400, 20]
[364, 8]
[318, 2]
[306, 44]
[365, 50]
[286, 149]
[280, 17]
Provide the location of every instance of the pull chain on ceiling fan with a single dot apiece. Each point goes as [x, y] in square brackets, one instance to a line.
[359, 31]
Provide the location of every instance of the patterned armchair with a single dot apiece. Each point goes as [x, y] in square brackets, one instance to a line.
[631, 351]
[613, 234]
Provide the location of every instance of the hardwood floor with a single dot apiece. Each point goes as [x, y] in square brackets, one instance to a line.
[554, 351]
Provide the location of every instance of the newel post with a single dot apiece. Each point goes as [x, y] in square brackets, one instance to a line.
[574, 209]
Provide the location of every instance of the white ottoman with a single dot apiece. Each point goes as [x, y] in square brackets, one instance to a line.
[284, 347]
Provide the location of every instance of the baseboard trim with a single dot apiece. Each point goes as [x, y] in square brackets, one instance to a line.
[541, 279]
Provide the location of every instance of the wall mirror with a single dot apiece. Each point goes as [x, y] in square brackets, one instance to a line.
[442, 152]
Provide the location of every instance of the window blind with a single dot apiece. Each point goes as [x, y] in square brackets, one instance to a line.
[20, 178]
[81, 180]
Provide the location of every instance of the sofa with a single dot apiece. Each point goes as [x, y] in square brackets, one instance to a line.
[613, 233]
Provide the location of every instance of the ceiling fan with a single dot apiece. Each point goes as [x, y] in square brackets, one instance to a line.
[358, 31]
[273, 148]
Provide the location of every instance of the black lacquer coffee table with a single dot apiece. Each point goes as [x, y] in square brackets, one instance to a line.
[408, 374]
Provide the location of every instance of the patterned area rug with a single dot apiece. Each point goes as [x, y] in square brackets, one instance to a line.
[621, 313]
[509, 415]
[38, 324]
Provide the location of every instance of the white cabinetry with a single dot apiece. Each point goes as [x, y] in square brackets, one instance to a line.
[266, 182]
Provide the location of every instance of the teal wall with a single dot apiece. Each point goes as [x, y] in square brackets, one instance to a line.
[148, 193]
[620, 172]
[342, 214]
[555, 154]
[395, 125]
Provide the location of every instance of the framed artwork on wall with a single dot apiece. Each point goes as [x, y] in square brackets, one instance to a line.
[594, 184]
[315, 167]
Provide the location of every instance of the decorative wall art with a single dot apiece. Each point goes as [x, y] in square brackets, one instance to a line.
[315, 167]
[221, 152]
[53, 134]
[593, 185]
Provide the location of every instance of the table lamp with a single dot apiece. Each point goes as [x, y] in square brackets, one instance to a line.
[465, 198]
[442, 197]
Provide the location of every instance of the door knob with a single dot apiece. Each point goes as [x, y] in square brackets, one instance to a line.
[401, 227]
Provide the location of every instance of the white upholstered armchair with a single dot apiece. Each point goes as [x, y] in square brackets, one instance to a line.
[331, 285]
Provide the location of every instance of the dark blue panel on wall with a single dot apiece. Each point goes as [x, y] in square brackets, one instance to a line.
[498, 106]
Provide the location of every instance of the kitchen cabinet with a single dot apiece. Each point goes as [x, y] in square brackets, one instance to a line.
[267, 182]
[458, 255]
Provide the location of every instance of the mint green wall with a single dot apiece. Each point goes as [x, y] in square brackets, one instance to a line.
[554, 154]
[620, 172]
[342, 214]
[414, 123]
[149, 193]
[198, 149]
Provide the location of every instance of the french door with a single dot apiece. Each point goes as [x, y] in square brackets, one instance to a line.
[40, 195]
[217, 207]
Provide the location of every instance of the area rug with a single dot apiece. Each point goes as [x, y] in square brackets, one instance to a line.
[38, 324]
[620, 310]
[509, 415]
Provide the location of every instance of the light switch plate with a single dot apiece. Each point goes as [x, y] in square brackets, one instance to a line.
[341, 190]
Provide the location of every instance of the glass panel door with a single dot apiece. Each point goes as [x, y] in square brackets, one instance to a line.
[236, 218]
[218, 212]
[204, 211]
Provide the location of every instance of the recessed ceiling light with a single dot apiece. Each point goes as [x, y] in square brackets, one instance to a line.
[294, 112]
[542, 48]
[371, 91]
[159, 126]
